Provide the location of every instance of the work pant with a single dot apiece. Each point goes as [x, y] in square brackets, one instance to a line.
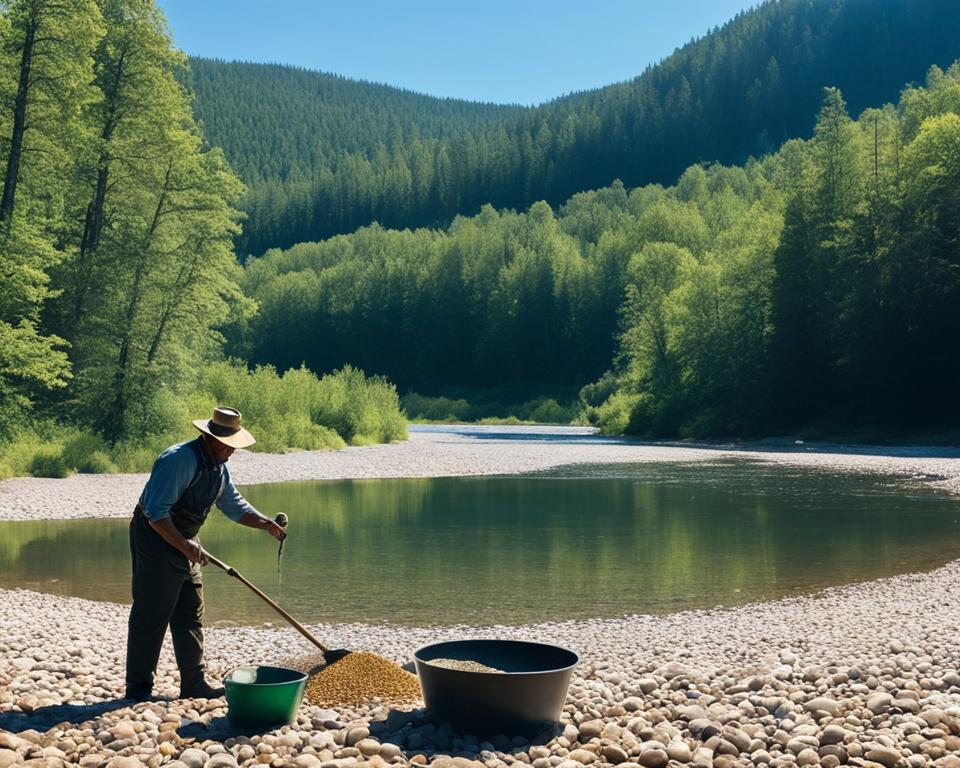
[167, 591]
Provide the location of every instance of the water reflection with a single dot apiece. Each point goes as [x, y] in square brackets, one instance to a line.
[597, 541]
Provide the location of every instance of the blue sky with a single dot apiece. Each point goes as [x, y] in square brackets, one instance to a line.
[505, 51]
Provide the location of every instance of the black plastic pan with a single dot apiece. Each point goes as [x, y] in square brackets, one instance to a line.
[527, 695]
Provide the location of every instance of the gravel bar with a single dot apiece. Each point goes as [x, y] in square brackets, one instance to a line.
[470, 450]
[864, 674]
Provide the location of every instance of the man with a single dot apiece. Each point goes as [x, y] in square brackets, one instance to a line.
[186, 480]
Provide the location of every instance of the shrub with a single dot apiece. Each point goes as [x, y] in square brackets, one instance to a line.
[97, 463]
[138, 456]
[300, 411]
[548, 411]
[614, 415]
[78, 448]
[596, 394]
[419, 406]
[18, 453]
[49, 462]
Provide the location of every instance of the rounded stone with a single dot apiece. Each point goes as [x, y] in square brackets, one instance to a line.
[307, 761]
[388, 751]
[590, 729]
[679, 751]
[653, 758]
[222, 760]
[886, 756]
[615, 754]
[355, 735]
[368, 747]
[124, 762]
[193, 758]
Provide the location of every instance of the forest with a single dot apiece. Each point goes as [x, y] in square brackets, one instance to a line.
[323, 156]
[698, 252]
[817, 286]
[116, 249]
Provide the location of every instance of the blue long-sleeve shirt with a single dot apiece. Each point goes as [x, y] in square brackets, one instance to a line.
[171, 474]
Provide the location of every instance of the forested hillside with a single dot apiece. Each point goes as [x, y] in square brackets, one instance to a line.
[116, 256]
[323, 155]
[820, 285]
[282, 122]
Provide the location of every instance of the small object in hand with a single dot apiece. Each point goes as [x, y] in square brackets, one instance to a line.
[281, 519]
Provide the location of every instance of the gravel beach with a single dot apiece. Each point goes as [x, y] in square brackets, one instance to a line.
[862, 675]
[450, 451]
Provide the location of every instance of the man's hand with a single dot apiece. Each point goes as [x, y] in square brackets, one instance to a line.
[275, 530]
[190, 548]
[194, 552]
[256, 520]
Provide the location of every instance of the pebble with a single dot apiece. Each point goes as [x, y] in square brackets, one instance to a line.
[193, 758]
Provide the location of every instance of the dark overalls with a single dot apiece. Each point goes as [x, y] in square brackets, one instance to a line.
[167, 588]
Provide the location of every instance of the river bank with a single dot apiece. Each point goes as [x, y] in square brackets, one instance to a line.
[863, 675]
[472, 450]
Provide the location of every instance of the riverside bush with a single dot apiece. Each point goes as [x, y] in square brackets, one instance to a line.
[293, 411]
[541, 410]
[418, 406]
[298, 410]
[613, 416]
[97, 463]
[549, 411]
[49, 462]
[79, 448]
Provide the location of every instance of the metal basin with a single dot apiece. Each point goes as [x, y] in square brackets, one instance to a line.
[262, 696]
[528, 694]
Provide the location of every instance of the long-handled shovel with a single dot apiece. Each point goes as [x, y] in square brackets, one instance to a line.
[330, 655]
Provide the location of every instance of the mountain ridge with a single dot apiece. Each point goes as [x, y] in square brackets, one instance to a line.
[407, 159]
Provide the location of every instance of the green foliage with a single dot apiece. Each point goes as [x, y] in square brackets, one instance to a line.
[783, 293]
[49, 462]
[542, 410]
[613, 416]
[77, 449]
[117, 268]
[324, 155]
[97, 463]
[422, 408]
[18, 450]
[546, 410]
[295, 411]
[89, 453]
[300, 411]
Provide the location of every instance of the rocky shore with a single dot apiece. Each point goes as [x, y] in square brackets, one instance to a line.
[472, 450]
[861, 675]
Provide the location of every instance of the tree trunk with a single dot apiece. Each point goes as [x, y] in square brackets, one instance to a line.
[114, 427]
[19, 123]
[93, 222]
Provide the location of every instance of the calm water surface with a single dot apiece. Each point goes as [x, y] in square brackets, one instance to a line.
[581, 542]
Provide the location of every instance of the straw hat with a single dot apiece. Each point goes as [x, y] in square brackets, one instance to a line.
[225, 427]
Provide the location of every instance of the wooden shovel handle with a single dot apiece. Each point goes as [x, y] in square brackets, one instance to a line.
[231, 571]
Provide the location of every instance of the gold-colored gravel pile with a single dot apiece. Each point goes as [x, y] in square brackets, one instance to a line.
[464, 666]
[359, 677]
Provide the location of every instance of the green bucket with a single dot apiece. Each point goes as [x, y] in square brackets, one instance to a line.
[261, 696]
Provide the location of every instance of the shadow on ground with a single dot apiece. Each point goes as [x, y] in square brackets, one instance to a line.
[416, 731]
[220, 729]
[44, 718]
